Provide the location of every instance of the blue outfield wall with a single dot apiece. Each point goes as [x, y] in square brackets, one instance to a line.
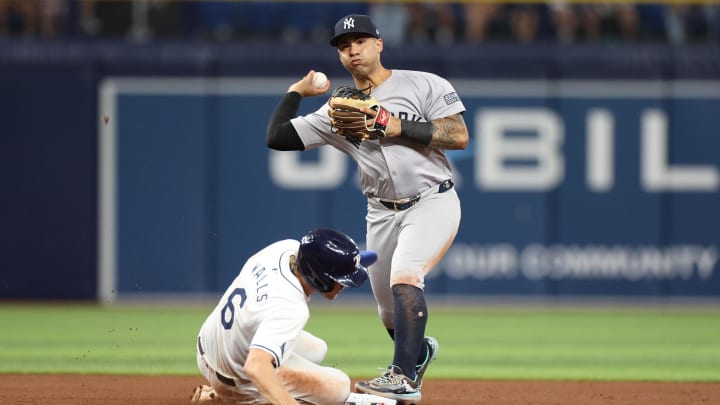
[142, 169]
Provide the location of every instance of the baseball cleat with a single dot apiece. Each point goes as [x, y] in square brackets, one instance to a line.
[433, 349]
[392, 384]
[204, 393]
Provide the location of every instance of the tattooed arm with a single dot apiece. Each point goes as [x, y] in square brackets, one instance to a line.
[449, 133]
[445, 133]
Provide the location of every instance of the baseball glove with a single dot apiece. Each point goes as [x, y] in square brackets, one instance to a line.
[347, 120]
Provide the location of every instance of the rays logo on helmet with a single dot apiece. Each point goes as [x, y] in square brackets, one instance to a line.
[327, 256]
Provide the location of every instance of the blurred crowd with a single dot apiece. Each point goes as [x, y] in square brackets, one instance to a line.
[423, 22]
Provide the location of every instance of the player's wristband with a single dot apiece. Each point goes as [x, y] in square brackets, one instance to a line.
[420, 132]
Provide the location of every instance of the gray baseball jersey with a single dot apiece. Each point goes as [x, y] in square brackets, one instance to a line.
[409, 242]
[394, 168]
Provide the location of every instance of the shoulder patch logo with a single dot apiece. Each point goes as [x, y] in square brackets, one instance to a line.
[451, 98]
[348, 23]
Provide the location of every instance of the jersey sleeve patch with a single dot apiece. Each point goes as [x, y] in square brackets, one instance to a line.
[451, 98]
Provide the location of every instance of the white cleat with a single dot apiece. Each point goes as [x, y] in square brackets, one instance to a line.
[205, 393]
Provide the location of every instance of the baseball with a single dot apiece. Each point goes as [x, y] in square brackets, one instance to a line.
[319, 80]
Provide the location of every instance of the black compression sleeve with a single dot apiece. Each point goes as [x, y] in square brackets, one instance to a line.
[420, 132]
[280, 133]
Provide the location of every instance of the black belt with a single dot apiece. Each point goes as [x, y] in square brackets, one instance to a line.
[405, 203]
[220, 377]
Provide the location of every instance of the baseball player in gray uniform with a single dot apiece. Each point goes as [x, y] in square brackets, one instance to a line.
[413, 211]
[252, 349]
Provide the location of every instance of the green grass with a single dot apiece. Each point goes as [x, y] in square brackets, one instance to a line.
[89, 339]
[585, 344]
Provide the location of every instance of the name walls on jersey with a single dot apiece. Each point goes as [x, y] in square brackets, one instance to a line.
[498, 148]
[260, 284]
[592, 262]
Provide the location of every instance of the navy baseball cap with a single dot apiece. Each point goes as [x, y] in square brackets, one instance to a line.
[354, 23]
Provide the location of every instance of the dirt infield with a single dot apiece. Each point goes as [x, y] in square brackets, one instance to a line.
[116, 390]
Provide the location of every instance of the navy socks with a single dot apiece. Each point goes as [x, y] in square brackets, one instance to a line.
[410, 319]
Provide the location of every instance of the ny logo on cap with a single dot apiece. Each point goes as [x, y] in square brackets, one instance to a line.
[348, 23]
